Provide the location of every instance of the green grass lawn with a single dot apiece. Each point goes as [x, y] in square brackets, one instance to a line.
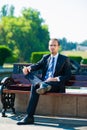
[83, 54]
[8, 65]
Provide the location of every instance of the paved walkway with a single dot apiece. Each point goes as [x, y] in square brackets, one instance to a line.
[42, 123]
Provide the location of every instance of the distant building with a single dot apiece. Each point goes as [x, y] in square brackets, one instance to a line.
[81, 48]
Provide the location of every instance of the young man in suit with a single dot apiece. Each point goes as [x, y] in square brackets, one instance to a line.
[56, 71]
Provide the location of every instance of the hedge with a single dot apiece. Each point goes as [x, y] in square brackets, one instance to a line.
[36, 56]
[84, 61]
[76, 58]
[5, 52]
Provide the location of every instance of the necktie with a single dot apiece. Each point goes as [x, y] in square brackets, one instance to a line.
[49, 72]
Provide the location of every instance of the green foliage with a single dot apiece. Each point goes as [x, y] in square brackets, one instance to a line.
[84, 61]
[36, 56]
[27, 33]
[7, 11]
[76, 58]
[12, 59]
[5, 52]
[67, 45]
[84, 43]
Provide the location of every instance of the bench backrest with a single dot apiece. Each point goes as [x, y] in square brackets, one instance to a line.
[77, 81]
[18, 76]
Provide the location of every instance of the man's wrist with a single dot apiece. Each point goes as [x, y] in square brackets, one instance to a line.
[58, 79]
[29, 68]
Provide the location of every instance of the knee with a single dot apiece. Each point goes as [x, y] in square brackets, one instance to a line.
[33, 88]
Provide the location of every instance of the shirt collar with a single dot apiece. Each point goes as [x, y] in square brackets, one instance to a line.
[55, 55]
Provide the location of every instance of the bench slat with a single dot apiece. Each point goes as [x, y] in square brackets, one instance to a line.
[16, 91]
[79, 77]
[76, 84]
[50, 94]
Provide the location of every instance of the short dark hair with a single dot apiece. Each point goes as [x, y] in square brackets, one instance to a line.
[55, 39]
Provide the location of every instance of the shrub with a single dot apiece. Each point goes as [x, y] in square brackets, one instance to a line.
[36, 56]
[5, 52]
[84, 61]
[12, 59]
[76, 58]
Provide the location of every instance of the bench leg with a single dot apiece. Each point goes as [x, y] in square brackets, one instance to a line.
[7, 102]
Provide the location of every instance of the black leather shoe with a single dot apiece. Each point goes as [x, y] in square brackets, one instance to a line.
[43, 88]
[27, 120]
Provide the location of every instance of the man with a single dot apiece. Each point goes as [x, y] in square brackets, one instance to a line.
[55, 72]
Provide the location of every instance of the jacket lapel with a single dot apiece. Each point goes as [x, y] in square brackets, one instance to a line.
[48, 60]
[58, 64]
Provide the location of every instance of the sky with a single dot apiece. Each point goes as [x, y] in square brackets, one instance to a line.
[65, 18]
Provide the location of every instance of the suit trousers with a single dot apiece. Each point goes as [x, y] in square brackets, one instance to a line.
[34, 97]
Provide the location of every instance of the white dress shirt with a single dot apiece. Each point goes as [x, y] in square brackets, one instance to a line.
[56, 57]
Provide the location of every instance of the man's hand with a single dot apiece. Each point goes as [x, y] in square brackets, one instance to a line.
[26, 70]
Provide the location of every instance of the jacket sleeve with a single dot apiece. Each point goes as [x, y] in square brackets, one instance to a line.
[39, 65]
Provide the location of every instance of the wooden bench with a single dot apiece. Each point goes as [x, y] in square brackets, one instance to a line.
[17, 84]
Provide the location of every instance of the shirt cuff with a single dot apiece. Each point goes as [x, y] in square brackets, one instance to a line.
[58, 79]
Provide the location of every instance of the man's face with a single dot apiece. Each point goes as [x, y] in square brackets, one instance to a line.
[53, 47]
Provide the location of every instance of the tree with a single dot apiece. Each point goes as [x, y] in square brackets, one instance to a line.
[4, 11]
[25, 34]
[84, 43]
[38, 33]
[7, 11]
[67, 45]
[11, 11]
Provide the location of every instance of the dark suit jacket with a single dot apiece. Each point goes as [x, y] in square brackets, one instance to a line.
[62, 69]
